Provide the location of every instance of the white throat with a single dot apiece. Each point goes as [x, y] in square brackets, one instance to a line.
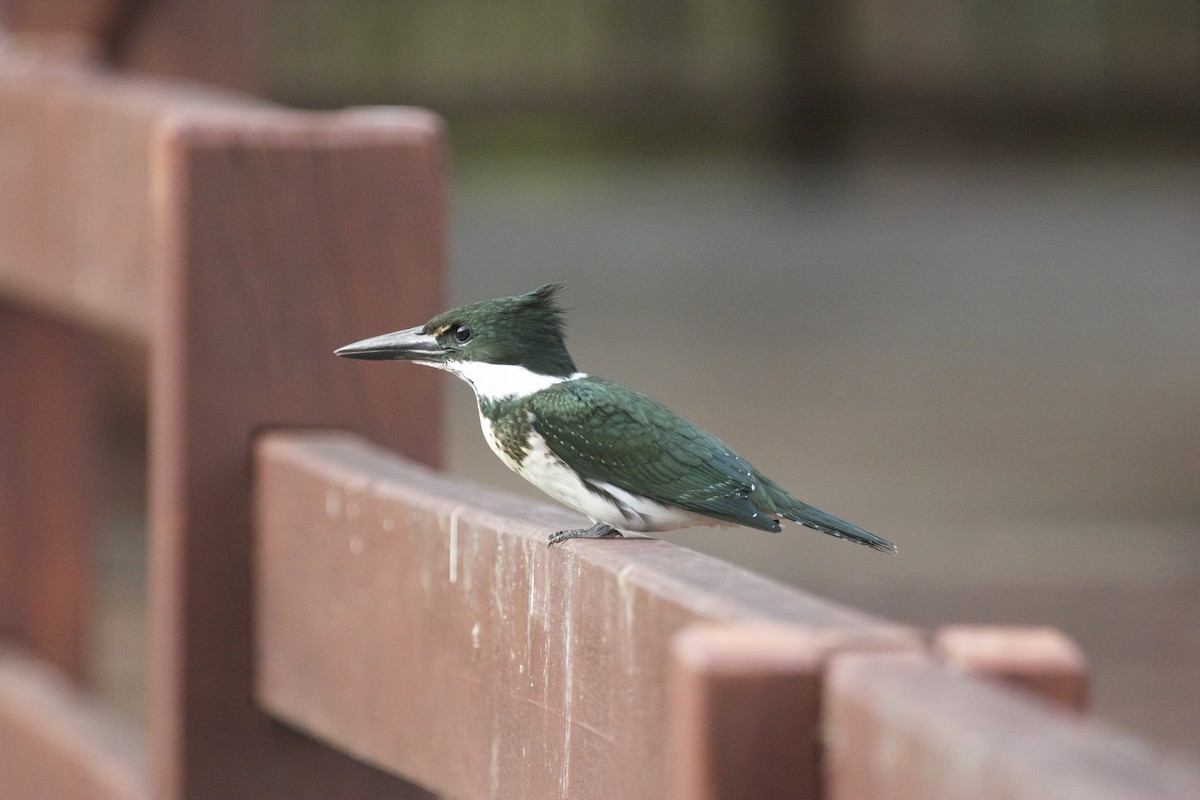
[496, 381]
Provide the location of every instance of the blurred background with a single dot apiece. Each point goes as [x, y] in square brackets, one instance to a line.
[934, 266]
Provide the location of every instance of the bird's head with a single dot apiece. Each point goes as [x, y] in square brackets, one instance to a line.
[525, 330]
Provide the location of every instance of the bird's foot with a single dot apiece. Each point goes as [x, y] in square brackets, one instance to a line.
[598, 531]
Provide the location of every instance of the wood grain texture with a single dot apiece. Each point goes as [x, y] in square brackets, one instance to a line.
[277, 237]
[48, 451]
[75, 186]
[55, 743]
[906, 728]
[422, 624]
[746, 703]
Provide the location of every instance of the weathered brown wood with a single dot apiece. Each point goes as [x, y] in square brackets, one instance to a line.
[745, 716]
[76, 203]
[277, 237]
[55, 744]
[422, 624]
[906, 728]
[48, 439]
[1038, 660]
[241, 243]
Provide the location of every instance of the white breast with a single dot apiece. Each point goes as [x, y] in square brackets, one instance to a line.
[548, 472]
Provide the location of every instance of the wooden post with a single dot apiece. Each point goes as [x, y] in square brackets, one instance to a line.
[47, 448]
[277, 237]
[744, 713]
[746, 707]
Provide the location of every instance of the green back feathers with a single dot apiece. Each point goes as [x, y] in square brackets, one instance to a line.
[611, 433]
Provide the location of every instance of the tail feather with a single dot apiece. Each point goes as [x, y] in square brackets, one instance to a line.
[798, 511]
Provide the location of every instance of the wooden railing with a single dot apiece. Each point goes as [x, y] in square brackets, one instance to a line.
[329, 618]
[239, 243]
[425, 626]
[421, 624]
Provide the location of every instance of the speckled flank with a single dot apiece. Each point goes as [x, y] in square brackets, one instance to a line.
[506, 427]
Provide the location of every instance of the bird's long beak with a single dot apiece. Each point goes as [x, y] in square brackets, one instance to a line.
[408, 345]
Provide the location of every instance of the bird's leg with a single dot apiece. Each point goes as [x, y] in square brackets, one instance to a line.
[600, 530]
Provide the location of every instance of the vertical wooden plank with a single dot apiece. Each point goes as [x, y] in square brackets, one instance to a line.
[278, 237]
[745, 713]
[47, 447]
[746, 708]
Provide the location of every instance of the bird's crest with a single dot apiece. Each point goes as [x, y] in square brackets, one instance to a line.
[526, 329]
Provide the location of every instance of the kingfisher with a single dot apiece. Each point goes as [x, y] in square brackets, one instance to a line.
[622, 459]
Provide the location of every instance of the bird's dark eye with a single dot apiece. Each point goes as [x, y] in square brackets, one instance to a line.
[463, 333]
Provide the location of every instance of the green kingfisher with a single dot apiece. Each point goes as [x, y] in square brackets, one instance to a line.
[620, 458]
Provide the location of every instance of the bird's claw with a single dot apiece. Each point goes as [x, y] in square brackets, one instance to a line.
[597, 531]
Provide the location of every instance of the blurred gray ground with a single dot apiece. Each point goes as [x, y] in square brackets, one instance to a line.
[995, 365]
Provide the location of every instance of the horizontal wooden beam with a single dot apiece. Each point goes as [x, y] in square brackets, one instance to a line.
[902, 727]
[75, 205]
[78, 205]
[422, 624]
[1041, 661]
[54, 743]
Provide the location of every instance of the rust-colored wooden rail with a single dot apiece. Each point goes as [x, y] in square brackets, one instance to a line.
[421, 624]
[237, 241]
[906, 728]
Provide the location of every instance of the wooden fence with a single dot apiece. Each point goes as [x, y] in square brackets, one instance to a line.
[329, 618]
